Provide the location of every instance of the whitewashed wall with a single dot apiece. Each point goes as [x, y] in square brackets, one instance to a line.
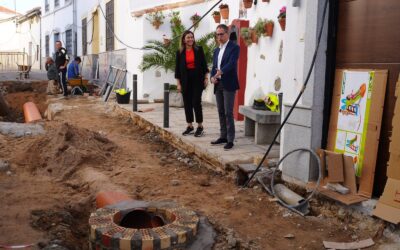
[28, 34]
[56, 20]
[24, 37]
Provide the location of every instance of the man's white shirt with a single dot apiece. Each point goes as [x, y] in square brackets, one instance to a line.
[222, 48]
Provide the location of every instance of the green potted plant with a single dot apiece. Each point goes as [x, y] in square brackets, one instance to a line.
[269, 28]
[175, 18]
[195, 20]
[245, 34]
[156, 19]
[247, 3]
[224, 10]
[217, 16]
[259, 27]
[123, 95]
[253, 35]
[282, 18]
[160, 56]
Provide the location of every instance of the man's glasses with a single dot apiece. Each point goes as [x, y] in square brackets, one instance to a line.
[220, 34]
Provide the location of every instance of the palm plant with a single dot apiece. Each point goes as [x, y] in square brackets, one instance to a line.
[163, 56]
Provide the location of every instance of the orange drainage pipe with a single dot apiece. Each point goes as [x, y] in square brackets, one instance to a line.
[105, 198]
[31, 112]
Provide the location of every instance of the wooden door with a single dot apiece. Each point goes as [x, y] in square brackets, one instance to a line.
[368, 37]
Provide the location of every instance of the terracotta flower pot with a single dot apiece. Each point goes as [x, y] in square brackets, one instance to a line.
[156, 24]
[254, 37]
[217, 18]
[224, 13]
[282, 23]
[247, 3]
[269, 29]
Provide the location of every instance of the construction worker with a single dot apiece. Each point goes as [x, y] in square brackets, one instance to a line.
[62, 60]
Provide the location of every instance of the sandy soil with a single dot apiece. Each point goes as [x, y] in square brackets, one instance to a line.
[50, 193]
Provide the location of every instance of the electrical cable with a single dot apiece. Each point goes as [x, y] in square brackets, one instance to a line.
[303, 202]
[297, 99]
[115, 35]
[198, 21]
[176, 37]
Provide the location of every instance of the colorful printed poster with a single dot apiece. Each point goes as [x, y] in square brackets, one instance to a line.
[353, 115]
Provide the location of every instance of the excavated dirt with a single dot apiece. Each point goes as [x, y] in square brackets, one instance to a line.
[48, 195]
[64, 149]
[17, 93]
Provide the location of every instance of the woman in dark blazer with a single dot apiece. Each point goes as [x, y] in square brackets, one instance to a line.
[191, 74]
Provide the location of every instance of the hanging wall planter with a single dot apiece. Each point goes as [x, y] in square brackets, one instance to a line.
[269, 28]
[282, 18]
[259, 27]
[156, 19]
[217, 16]
[253, 35]
[245, 34]
[247, 3]
[282, 23]
[175, 18]
[195, 20]
[224, 10]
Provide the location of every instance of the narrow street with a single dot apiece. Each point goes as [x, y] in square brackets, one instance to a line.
[49, 191]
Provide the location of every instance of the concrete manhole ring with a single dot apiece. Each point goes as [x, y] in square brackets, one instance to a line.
[142, 225]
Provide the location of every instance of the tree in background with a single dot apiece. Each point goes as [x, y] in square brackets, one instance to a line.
[164, 55]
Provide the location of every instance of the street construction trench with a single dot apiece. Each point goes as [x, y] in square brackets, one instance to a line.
[49, 183]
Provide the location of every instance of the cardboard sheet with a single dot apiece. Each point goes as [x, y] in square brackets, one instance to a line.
[334, 162]
[349, 174]
[347, 199]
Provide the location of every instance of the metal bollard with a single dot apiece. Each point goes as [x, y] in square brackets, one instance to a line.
[134, 93]
[166, 105]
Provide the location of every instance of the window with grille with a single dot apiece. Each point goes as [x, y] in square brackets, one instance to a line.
[56, 3]
[47, 44]
[46, 6]
[110, 25]
[84, 37]
[56, 38]
[68, 41]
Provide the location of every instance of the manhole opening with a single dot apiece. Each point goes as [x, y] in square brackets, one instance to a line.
[141, 219]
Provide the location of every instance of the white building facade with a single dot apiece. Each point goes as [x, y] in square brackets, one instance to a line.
[59, 24]
[275, 64]
[20, 40]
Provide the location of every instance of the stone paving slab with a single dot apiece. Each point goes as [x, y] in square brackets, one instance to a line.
[244, 151]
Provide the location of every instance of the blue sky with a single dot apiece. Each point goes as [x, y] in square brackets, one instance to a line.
[22, 5]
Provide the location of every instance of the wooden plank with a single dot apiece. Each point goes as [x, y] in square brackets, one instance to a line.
[163, 7]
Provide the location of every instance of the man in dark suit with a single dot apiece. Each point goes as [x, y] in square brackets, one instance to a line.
[226, 83]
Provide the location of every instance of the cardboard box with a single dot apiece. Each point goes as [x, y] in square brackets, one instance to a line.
[387, 213]
[388, 206]
[393, 170]
[349, 180]
[391, 194]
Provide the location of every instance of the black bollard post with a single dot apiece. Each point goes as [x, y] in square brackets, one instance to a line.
[134, 92]
[166, 105]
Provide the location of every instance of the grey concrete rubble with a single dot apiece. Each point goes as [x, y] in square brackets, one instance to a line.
[21, 129]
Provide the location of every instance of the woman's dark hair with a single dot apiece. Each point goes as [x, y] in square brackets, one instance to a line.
[187, 32]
